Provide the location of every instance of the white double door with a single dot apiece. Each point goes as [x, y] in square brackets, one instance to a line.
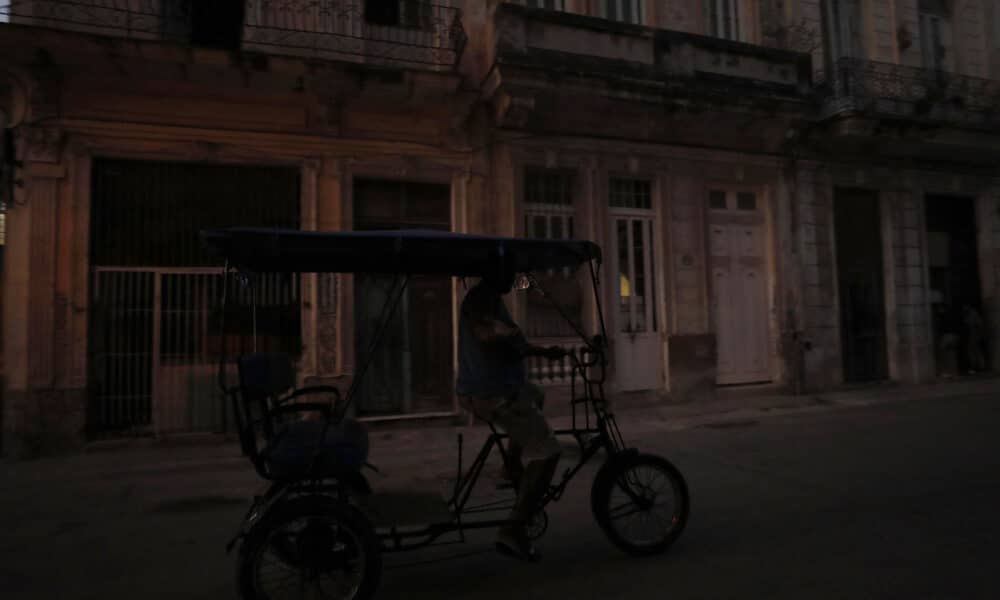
[638, 352]
[740, 303]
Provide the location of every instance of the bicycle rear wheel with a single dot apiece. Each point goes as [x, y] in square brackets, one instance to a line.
[310, 548]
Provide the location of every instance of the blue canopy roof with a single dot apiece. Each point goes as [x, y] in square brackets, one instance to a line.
[418, 252]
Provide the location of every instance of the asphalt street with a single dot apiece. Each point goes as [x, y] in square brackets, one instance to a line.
[889, 501]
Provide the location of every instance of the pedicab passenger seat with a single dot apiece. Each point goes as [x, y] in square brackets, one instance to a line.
[280, 443]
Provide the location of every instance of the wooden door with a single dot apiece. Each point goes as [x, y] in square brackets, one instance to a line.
[740, 304]
[413, 370]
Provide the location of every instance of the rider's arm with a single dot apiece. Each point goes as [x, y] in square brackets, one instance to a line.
[478, 308]
[489, 328]
[524, 348]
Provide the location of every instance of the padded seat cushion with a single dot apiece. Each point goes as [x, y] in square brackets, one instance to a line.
[291, 452]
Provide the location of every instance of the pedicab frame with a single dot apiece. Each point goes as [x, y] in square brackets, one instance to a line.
[404, 254]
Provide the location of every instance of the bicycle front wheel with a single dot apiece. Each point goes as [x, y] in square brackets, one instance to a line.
[640, 502]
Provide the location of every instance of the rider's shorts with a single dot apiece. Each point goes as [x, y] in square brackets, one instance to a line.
[521, 417]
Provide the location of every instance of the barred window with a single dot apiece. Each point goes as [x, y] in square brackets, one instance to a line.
[630, 193]
[549, 4]
[548, 186]
[724, 19]
[746, 201]
[548, 199]
[549, 214]
[996, 24]
[717, 200]
[413, 14]
[626, 11]
[732, 200]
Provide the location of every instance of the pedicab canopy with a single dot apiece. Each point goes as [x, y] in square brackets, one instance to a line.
[417, 252]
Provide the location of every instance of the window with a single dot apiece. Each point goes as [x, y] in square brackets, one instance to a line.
[548, 214]
[996, 24]
[935, 35]
[548, 199]
[549, 4]
[630, 193]
[632, 217]
[717, 200]
[724, 19]
[746, 201]
[730, 200]
[626, 11]
[414, 14]
[847, 23]
[217, 24]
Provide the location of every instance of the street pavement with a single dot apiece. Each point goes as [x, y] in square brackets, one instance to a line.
[849, 498]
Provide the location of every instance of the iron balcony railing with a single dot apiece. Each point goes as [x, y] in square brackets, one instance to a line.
[400, 32]
[136, 19]
[900, 91]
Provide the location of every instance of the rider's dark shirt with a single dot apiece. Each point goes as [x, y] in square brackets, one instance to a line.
[486, 368]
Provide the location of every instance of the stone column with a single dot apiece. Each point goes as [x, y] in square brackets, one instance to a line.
[914, 349]
[329, 289]
[814, 203]
[788, 275]
[42, 414]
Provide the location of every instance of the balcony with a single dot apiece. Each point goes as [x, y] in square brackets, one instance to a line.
[551, 72]
[642, 57]
[404, 33]
[898, 92]
[152, 20]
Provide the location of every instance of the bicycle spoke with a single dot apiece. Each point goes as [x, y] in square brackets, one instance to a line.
[642, 504]
[340, 563]
[635, 510]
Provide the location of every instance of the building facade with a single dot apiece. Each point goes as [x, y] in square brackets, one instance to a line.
[794, 194]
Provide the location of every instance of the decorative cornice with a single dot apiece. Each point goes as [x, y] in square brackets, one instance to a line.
[41, 144]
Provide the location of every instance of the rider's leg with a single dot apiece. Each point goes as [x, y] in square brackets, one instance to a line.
[527, 427]
[513, 469]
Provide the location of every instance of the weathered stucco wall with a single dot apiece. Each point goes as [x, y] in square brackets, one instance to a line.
[912, 354]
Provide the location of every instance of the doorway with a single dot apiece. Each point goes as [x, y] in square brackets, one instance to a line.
[638, 358]
[955, 293]
[154, 332]
[412, 368]
[740, 305]
[860, 279]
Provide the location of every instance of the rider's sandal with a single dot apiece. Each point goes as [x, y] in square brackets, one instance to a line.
[517, 546]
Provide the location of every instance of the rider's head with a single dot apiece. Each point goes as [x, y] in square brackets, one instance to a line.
[500, 273]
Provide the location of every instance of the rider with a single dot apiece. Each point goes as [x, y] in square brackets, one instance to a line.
[492, 384]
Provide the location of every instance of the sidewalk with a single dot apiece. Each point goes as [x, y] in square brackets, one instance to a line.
[419, 448]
